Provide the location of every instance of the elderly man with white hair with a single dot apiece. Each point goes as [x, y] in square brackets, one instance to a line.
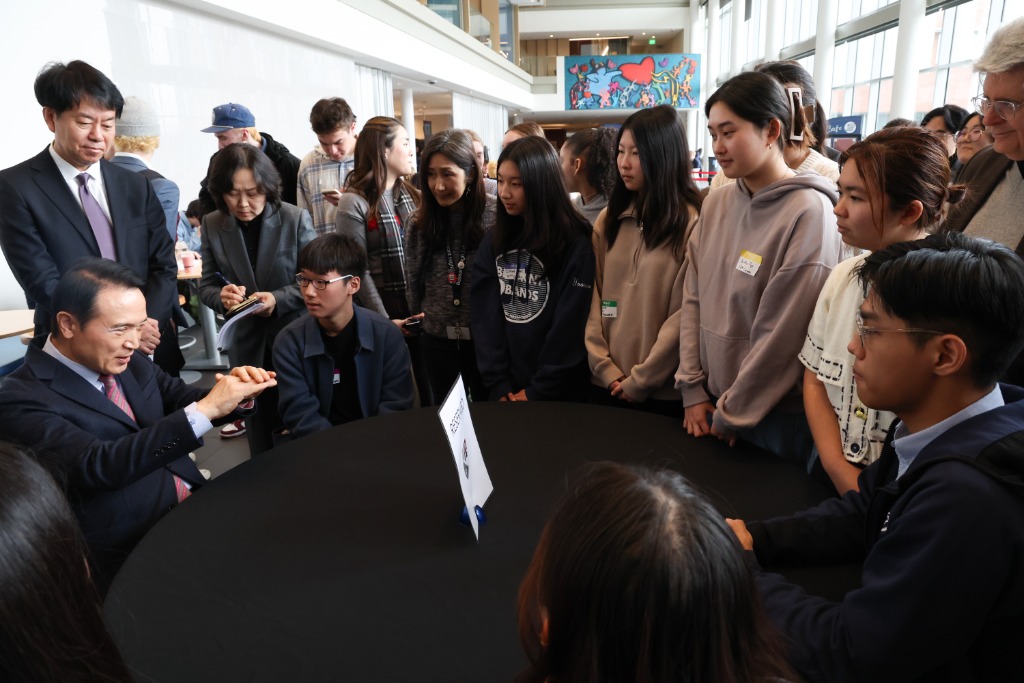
[995, 176]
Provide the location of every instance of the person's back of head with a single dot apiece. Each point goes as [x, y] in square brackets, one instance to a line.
[810, 124]
[638, 578]
[329, 114]
[957, 285]
[899, 123]
[51, 626]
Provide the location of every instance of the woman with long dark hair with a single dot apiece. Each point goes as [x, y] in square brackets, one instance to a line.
[640, 248]
[588, 164]
[532, 281]
[637, 578]
[51, 623]
[374, 210]
[441, 244]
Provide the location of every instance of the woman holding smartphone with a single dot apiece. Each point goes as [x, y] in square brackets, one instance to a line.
[639, 246]
[441, 245]
[532, 281]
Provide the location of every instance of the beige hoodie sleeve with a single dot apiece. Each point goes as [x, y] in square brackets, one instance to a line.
[598, 355]
[690, 376]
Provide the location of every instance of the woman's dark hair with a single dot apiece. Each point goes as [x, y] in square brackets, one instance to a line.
[549, 222]
[369, 174]
[234, 158]
[62, 87]
[662, 206]
[758, 98]
[953, 117]
[813, 117]
[432, 219]
[596, 147]
[958, 285]
[903, 164]
[51, 624]
[640, 579]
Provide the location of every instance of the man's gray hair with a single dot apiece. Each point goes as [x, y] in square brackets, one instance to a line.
[1005, 51]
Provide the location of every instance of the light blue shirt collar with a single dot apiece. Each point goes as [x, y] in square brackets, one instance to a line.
[909, 446]
[85, 373]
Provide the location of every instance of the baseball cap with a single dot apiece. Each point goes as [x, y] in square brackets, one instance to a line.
[229, 116]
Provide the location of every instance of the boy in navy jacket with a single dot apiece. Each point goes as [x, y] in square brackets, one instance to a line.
[341, 362]
[938, 521]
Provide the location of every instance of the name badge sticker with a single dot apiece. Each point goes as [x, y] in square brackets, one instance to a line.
[609, 309]
[749, 262]
[337, 376]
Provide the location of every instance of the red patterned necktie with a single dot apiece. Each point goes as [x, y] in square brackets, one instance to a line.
[118, 399]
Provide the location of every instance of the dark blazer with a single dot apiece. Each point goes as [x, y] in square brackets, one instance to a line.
[166, 190]
[118, 472]
[981, 175]
[43, 231]
[283, 234]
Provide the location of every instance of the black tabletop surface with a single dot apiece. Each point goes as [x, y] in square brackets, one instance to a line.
[340, 557]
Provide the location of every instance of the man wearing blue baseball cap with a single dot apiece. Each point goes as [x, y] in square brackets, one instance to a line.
[235, 123]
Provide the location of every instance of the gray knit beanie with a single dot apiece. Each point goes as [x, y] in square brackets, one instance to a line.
[137, 120]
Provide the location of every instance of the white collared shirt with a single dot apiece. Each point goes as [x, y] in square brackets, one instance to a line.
[909, 446]
[96, 186]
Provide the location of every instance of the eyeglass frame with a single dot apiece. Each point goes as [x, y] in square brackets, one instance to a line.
[973, 134]
[863, 331]
[299, 277]
[983, 104]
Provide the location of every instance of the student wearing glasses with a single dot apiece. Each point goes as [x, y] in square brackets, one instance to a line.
[971, 139]
[341, 362]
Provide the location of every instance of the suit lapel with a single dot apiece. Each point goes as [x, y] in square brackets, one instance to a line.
[233, 248]
[270, 242]
[48, 179]
[69, 384]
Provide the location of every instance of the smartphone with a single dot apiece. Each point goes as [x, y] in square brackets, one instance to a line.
[413, 324]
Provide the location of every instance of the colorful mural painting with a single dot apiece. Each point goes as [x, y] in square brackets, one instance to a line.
[632, 81]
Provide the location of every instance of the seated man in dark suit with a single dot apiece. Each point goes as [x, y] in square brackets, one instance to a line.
[341, 362]
[68, 202]
[938, 521]
[106, 419]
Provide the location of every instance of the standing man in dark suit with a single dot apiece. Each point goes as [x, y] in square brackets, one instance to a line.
[68, 202]
[113, 426]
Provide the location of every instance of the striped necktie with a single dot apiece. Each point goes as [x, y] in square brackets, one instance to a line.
[117, 398]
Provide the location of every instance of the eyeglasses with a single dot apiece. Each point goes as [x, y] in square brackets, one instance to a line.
[304, 281]
[971, 135]
[866, 332]
[1005, 109]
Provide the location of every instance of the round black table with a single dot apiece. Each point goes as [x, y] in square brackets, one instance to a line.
[340, 556]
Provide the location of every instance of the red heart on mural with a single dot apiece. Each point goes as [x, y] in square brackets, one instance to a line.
[639, 73]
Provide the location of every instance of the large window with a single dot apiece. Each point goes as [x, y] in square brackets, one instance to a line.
[862, 78]
[801, 20]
